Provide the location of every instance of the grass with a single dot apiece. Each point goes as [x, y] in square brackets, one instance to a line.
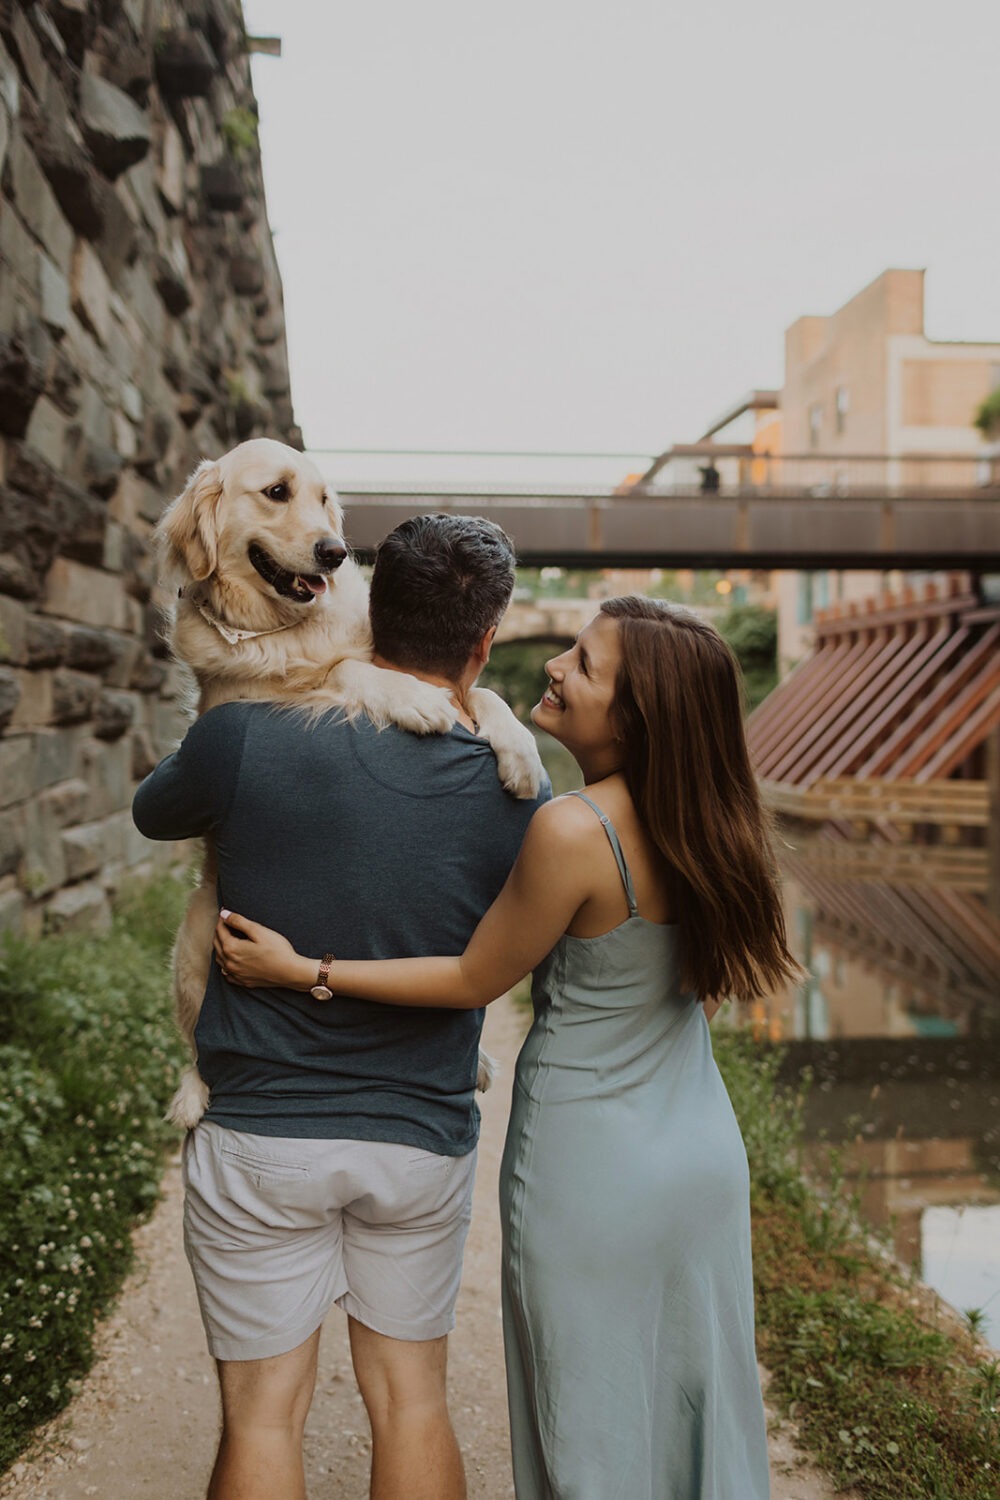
[89, 1057]
[891, 1400]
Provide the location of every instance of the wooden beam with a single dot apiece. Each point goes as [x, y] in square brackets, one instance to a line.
[961, 804]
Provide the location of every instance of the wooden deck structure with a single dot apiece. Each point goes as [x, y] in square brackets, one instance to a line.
[887, 736]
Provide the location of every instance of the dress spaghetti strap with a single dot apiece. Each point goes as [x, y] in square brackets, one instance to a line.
[616, 849]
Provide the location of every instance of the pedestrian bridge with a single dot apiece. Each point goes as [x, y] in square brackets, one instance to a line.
[932, 512]
[556, 620]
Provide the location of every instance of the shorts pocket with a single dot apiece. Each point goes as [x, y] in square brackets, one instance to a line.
[262, 1169]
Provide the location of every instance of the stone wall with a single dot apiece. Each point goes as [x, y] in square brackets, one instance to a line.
[141, 328]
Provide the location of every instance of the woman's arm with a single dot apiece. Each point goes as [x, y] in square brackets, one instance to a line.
[545, 889]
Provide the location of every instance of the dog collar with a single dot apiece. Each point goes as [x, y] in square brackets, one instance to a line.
[230, 633]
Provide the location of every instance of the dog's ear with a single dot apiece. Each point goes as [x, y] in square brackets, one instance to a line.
[188, 530]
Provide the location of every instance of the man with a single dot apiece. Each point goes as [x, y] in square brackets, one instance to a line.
[335, 1163]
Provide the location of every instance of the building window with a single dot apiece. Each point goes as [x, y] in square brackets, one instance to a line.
[842, 406]
[815, 424]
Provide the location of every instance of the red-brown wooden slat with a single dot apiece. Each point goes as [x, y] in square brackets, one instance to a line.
[793, 764]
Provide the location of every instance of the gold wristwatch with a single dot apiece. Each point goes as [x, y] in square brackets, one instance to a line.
[321, 990]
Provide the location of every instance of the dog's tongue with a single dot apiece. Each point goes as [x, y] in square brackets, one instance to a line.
[312, 582]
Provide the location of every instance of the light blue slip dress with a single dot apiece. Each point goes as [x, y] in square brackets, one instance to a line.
[624, 1193]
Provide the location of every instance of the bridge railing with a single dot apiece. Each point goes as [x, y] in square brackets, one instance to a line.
[827, 476]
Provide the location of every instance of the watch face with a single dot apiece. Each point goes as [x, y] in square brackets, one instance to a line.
[320, 992]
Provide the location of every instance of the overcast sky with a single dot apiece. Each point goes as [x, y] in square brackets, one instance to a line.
[583, 225]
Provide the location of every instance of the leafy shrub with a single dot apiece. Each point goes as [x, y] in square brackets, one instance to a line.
[89, 1055]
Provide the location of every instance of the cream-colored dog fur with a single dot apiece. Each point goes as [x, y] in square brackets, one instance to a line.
[270, 605]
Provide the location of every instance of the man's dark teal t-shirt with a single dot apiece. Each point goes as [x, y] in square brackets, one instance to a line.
[364, 843]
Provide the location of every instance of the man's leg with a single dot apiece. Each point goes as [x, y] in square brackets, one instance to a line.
[415, 1455]
[265, 1403]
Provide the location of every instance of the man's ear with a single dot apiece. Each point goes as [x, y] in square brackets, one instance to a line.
[482, 651]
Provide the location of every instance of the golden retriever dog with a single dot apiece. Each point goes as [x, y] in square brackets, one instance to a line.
[269, 604]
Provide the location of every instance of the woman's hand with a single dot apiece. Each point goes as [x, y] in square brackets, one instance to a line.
[250, 954]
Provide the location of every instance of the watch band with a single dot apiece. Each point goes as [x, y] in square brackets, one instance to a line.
[321, 989]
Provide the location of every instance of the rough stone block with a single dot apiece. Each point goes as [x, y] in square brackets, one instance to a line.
[14, 625]
[45, 643]
[222, 187]
[25, 48]
[34, 704]
[10, 88]
[10, 695]
[74, 696]
[13, 903]
[92, 650]
[83, 850]
[83, 537]
[186, 66]
[116, 130]
[65, 804]
[84, 595]
[22, 377]
[172, 287]
[37, 204]
[13, 837]
[119, 241]
[79, 908]
[114, 714]
[58, 754]
[108, 769]
[90, 291]
[171, 170]
[246, 275]
[17, 577]
[101, 469]
[18, 250]
[75, 22]
[46, 432]
[17, 774]
[81, 192]
[54, 290]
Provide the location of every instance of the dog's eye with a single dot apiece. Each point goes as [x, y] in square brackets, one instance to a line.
[278, 492]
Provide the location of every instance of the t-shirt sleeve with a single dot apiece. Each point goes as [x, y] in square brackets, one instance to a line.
[190, 791]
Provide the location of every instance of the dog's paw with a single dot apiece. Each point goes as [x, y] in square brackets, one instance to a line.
[486, 1071]
[190, 1101]
[518, 762]
[422, 708]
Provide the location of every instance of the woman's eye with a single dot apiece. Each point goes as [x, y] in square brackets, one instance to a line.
[277, 492]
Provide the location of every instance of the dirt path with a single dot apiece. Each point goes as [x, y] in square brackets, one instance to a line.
[145, 1424]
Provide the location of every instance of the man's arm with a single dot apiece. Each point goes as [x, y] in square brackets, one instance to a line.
[190, 791]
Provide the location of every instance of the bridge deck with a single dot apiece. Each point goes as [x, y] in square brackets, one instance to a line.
[928, 528]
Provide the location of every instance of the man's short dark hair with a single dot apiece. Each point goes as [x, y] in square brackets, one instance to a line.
[439, 584]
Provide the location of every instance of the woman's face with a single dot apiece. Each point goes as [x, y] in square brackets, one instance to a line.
[576, 707]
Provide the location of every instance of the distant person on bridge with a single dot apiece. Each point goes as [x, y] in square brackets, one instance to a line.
[640, 904]
[336, 1161]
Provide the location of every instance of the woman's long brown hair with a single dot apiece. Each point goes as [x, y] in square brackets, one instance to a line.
[679, 711]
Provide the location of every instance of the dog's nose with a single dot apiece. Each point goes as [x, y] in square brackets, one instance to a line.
[329, 552]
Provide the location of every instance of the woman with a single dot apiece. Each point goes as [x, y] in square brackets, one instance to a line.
[640, 904]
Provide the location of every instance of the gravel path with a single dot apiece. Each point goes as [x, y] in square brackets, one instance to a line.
[144, 1426]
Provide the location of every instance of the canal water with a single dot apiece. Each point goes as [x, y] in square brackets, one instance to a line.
[898, 1023]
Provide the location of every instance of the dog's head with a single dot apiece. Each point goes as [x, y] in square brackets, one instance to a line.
[259, 519]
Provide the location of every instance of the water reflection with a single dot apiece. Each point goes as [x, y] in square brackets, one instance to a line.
[899, 1020]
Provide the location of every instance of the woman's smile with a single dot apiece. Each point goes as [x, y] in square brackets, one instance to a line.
[551, 697]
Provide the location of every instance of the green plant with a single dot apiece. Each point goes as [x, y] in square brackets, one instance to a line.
[88, 1053]
[987, 417]
[239, 131]
[752, 632]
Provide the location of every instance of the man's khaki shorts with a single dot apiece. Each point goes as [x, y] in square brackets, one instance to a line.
[277, 1230]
